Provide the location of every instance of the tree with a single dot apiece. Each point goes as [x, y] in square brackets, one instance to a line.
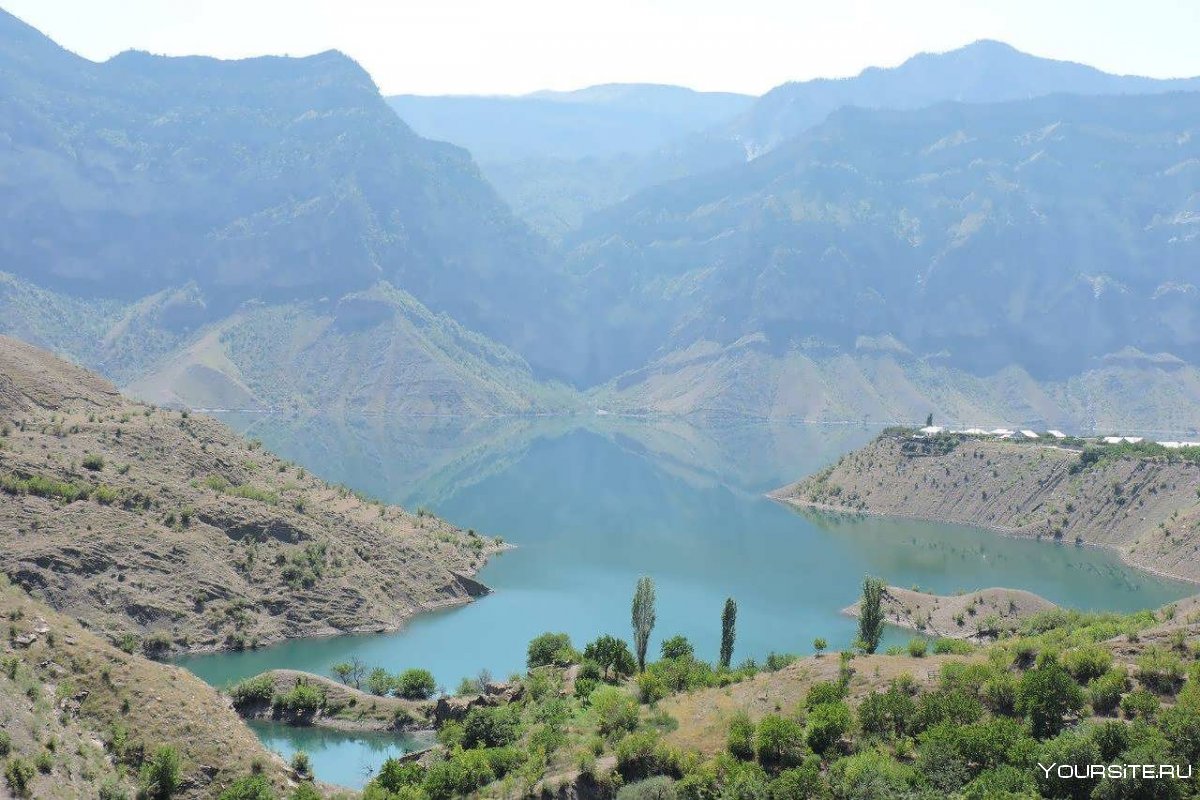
[612, 656]
[549, 648]
[416, 684]
[350, 672]
[819, 644]
[929, 420]
[1046, 694]
[728, 632]
[870, 615]
[677, 647]
[379, 681]
[779, 742]
[643, 618]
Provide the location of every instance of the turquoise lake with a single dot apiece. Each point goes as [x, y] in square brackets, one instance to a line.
[594, 503]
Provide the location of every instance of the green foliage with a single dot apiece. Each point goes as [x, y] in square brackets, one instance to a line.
[612, 656]
[19, 774]
[550, 649]
[651, 687]
[1046, 694]
[252, 691]
[1104, 692]
[1140, 704]
[642, 755]
[160, 774]
[1160, 670]
[870, 614]
[660, 787]
[917, 647]
[728, 632]
[642, 618]
[92, 462]
[40, 486]
[249, 787]
[887, 714]
[615, 711]
[826, 725]
[303, 699]
[739, 741]
[415, 684]
[379, 681]
[1087, 662]
[489, 727]
[779, 741]
[677, 647]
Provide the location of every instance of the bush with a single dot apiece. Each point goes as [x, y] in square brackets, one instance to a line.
[678, 647]
[19, 774]
[827, 723]
[1104, 693]
[416, 684]
[740, 738]
[642, 755]
[249, 787]
[780, 741]
[823, 692]
[611, 655]
[5, 744]
[1160, 671]
[303, 699]
[94, 463]
[887, 714]
[917, 647]
[651, 687]
[616, 712]
[550, 649]
[947, 646]
[1140, 704]
[302, 764]
[1046, 694]
[379, 682]
[253, 691]
[657, 788]
[160, 774]
[1088, 662]
[802, 781]
[489, 727]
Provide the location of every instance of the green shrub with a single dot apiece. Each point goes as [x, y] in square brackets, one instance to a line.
[19, 773]
[1104, 693]
[823, 692]
[947, 646]
[917, 647]
[258, 690]
[92, 462]
[416, 684]
[379, 682]
[616, 712]
[489, 727]
[1087, 662]
[1160, 670]
[740, 738]
[1140, 703]
[657, 788]
[44, 762]
[160, 773]
[826, 725]
[642, 755]
[5, 744]
[779, 741]
[651, 687]
[550, 648]
[303, 699]
[249, 787]
[678, 647]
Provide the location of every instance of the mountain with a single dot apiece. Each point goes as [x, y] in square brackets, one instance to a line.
[557, 156]
[606, 120]
[1056, 234]
[983, 72]
[271, 180]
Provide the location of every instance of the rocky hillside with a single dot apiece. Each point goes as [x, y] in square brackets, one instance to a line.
[163, 530]
[81, 718]
[1140, 501]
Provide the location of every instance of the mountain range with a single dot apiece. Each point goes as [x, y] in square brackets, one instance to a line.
[981, 233]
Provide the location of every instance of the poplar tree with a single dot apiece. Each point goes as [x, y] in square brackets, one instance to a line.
[728, 631]
[643, 618]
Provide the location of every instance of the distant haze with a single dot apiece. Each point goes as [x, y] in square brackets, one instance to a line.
[484, 47]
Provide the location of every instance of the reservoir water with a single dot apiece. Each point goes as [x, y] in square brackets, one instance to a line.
[594, 503]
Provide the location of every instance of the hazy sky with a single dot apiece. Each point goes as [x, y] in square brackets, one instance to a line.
[515, 46]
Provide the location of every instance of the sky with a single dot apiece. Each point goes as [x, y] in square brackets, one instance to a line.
[518, 46]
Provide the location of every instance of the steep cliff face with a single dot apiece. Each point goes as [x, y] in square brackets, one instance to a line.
[1144, 505]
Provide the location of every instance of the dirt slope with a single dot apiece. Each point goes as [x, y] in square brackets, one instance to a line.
[1144, 507]
[166, 530]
